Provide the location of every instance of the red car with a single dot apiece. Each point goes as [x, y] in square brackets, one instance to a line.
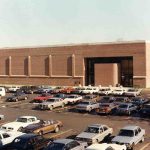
[43, 97]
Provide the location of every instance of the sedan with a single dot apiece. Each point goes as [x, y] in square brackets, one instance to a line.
[66, 144]
[17, 97]
[130, 136]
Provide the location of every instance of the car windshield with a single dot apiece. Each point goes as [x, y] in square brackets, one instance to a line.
[119, 100]
[92, 130]
[124, 132]
[51, 100]
[71, 96]
[123, 106]
[56, 146]
[132, 90]
[21, 120]
[87, 97]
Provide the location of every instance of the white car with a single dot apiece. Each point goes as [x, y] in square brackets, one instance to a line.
[130, 136]
[19, 123]
[119, 91]
[13, 89]
[87, 106]
[94, 134]
[90, 90]
[8, 137]
[105, 91]
[52, 103]
[106, 146]
[72, 99]
[132, 92]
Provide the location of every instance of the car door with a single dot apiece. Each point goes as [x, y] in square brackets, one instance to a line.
[6, 138]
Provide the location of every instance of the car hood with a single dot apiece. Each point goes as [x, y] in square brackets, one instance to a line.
[86, 135]
[122, 139]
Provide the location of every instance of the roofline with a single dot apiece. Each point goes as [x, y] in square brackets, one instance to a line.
[78, 44]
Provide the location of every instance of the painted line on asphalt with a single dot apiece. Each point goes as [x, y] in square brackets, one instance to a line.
[61, 133]
[145, 146]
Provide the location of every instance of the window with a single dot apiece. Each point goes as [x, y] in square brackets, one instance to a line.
[73, 144]
[136, 132]
[139, 130]
[105, 128]
[5, 135]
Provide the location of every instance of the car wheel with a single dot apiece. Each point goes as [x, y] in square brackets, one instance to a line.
[133, 146]
[56, 129]
[63, 105]
[51, 108]
[142, 140]
[40, 133]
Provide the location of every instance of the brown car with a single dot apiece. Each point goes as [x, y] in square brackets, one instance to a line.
[43, 127]
[105, 108]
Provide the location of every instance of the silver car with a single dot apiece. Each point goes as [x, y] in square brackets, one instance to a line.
[66, 144]
[130, 136]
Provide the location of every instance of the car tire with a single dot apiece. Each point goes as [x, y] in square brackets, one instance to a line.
[51, 108]
[57, 129]
[142, 140]
[40, 132]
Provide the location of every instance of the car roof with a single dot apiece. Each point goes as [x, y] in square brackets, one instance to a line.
[27, 136]
[130, 127]
[96, 125]
[27, 117]
[63, 141]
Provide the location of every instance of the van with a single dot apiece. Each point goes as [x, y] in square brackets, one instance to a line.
[2, 91]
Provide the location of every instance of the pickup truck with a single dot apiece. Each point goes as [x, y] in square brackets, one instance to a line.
[19, 123]
[94, 133]
[52, 103]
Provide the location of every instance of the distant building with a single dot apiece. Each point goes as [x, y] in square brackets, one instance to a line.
[124, 63]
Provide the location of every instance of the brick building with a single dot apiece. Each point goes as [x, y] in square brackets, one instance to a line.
[103, 64]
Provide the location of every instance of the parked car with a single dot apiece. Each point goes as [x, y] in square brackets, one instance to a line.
[87, 106]
[139, 101]
[52, 103]
[44, 90]
[105, 146]
[121, 100]
[43, 127]
[57, 90]
[105, 108]
[73, 98]
[2, 91]
[126, 108]
[2, 117]
[107, 99]
[41, 98]
[105, 91]
[130, 136]
[19, 123]
[31, 89]
[118, 91]
[132, 92]
[13, 89]
[66, 144]
[94, 133]
[90, 90]
[17, 97]
[145, 111]
[29, 142]
[67, 90]
[91, 97]
[62, 96]
[7, 137]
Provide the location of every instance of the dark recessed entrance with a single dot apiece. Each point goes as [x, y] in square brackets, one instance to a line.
[125, 71]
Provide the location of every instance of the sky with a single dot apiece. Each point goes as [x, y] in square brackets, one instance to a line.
[52, 22]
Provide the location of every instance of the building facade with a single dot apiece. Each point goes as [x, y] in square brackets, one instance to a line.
[126, 63]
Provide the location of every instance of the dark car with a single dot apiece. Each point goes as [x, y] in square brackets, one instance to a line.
[17, 97]
[139, 101]
[66, 144]
[107, 99]
[121, 100]
[31, 89]
[62, 96]
[29, 142]
[145, 111]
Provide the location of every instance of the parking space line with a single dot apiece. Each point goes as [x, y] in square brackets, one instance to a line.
[145, 146]
[61, 133]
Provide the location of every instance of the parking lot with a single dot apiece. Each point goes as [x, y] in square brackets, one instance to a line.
[73, 121]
